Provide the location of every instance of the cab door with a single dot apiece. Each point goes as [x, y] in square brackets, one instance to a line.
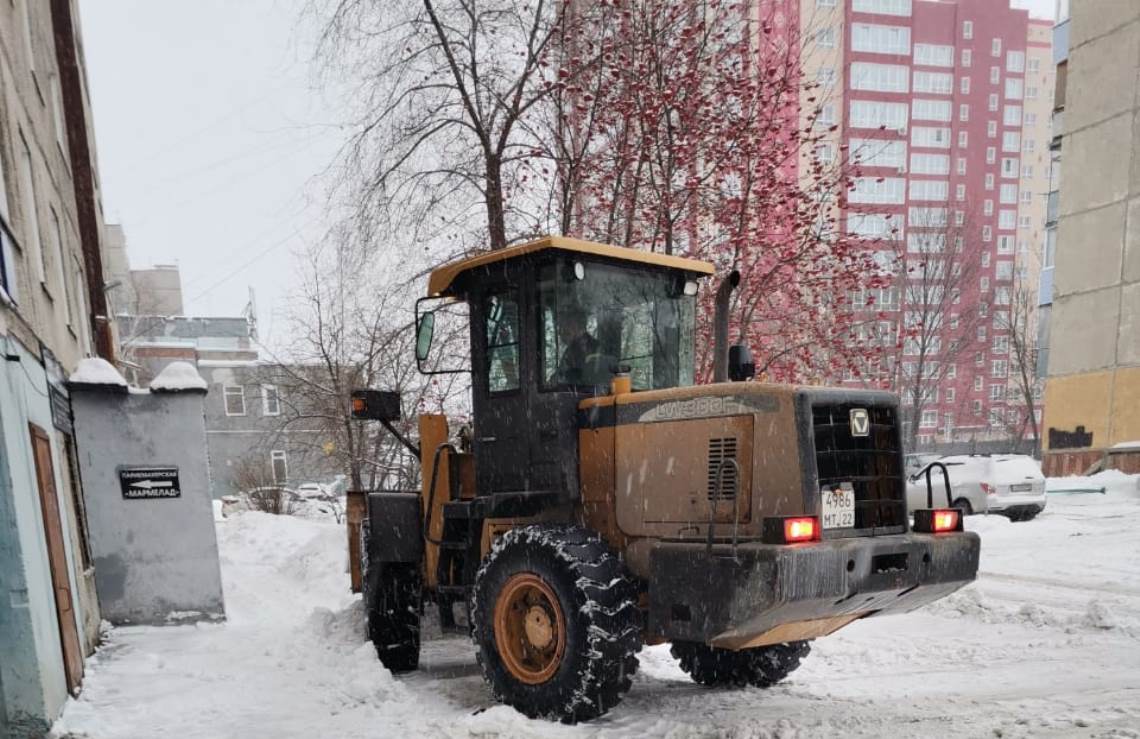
[502, 450]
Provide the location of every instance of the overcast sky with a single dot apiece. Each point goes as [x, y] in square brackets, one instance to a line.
[209, 136]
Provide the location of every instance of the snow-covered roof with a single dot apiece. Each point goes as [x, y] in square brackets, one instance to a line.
[178, 377]
[97, 371]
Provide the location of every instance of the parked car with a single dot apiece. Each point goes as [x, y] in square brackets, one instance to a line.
[1009, 484]
[917, 461]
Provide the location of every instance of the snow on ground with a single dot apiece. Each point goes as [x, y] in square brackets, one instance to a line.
[1046, 643]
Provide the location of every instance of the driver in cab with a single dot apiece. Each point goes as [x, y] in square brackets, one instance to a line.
[580, 346]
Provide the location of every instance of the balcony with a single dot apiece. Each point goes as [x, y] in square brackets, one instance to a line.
[1052, 207]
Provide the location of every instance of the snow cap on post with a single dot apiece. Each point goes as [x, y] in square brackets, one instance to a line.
[96, 373]
[178, 377]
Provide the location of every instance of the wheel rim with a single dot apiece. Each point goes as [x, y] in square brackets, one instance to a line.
[530, 630]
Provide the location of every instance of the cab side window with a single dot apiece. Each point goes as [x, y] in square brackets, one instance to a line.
[501, 312]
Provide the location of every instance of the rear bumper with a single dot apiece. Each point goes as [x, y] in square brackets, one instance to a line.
[999, 503]
[773, 593]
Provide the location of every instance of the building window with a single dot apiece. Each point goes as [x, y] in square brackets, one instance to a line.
[929, 164]
[1015, 62]
[882, 7]
[928, 137]
[1027, 171]
[929, 190]
[234, 397]
[967, 29]
[991, 155]
[877, 153]
[877, 39]
[1026, 197]
[995, 75]
[997, 392]
[987, 235]
[1029, 146]
[1034, 65]
[991, 129]
[933, 55]
[1009, 167]
[878, 190]
[989, 182]
[1008, 193]
[988, 207]
[1011, 115]
[31, 240]
[825, 76]
[7, 257]
[963, 139]
[963, 112]
[1007, 219]
[270, 401]
[934, 83]
[959, 192]
[929, 419]
[826, 117]
[1031, 93]
[279, 465]
[961, 168]
[1013, 88]
[978, 381]
[61, 266]
[995, 47]
[992, 102]
[930, 110]
[959, 217]
[825, 38]
[866, 114]
[1003, 270]
[967, 57]
[1010, 141]
[1023, 222]
[881, 77]
[964, 85]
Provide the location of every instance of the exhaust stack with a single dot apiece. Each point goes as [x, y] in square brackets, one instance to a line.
[720, 325]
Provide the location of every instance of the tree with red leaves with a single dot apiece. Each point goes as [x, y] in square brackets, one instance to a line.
[684, 132]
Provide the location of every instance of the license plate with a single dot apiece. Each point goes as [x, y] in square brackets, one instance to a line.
[1021, 487]
[838, 506]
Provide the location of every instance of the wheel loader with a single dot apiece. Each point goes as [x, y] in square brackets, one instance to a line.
[602, 501]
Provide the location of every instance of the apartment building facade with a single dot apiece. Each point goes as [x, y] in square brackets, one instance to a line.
[1092, 391]
[945, 107]
[51, 316]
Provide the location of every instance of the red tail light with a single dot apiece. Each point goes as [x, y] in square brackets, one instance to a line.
[937, 521]
[945, 521]
[988, 489]
[799, 529]
[790, 530]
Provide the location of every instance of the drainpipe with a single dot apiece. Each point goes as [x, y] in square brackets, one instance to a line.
[720, 325]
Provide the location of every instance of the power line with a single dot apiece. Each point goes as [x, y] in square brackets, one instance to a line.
[233, 273]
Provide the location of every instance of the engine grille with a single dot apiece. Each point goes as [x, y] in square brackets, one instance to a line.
[872, 463]
[720, 450]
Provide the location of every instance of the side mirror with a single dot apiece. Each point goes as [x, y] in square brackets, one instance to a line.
[740, 364]
[376, 405]
[423, 335]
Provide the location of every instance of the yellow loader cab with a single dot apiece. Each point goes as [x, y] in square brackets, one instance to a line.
[605, 501]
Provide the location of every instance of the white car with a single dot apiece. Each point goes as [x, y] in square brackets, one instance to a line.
[1009, 484]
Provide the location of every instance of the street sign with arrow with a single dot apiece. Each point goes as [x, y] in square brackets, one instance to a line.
[149, 482]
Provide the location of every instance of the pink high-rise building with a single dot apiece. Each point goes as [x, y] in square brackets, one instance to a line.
[947, 106]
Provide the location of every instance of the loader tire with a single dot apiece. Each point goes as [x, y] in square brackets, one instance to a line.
[761, 667]
[556, 623]
[394, 597]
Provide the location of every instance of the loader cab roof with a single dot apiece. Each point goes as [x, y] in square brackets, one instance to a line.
[448, 279]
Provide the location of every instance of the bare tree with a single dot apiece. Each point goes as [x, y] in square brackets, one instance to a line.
[1015, 314]
[918, 322]
[447, 90]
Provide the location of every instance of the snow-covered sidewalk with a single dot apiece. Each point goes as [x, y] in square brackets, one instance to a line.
[1047, 642]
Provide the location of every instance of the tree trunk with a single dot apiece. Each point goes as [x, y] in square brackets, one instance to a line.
[496, 217]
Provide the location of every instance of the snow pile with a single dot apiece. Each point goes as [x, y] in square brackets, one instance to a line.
[178, 377]
[1114, 483]
[97, 371]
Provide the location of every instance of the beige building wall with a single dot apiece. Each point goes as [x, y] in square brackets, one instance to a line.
[1094, 361]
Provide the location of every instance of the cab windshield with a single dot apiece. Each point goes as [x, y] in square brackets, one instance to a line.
[596, 318]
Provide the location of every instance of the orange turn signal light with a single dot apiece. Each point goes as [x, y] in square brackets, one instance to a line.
[945, 521]
[799, 529]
